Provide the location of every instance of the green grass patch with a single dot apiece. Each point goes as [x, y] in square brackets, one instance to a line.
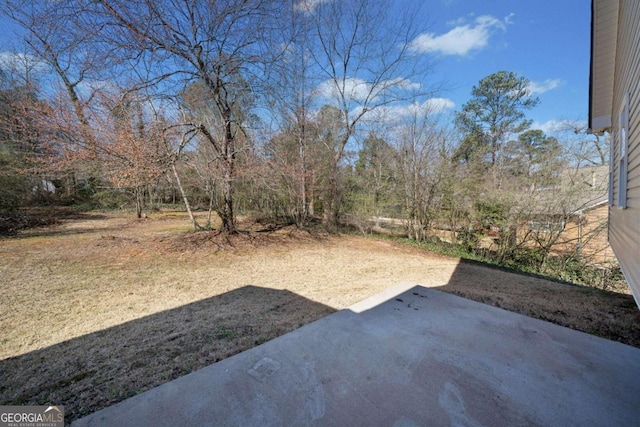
[440, 247]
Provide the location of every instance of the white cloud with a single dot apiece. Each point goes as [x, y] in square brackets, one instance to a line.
[509, 18]
[308, 6]
[358, 90]
[457, 22]
[536, 88]
[400, 83]
[548, 127]
[555, 127]
[352, 88]
[438, 105]
[462, 39]
[20, 62]
[430, 106]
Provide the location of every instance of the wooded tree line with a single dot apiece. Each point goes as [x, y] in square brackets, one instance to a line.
[294, 111]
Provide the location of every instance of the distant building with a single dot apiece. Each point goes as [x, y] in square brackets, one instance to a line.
[571, 216]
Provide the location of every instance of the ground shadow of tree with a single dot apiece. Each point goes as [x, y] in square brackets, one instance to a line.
[99, 369]
[41, 222]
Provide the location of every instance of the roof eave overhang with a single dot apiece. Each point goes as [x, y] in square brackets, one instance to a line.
[604, 30]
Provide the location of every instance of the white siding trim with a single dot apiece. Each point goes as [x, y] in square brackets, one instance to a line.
[612, 160]
[623, 152]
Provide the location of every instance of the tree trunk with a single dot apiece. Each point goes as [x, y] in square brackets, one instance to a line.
[139, 193]
[331, 206]
[226, 213]
[210, 210]
[196, 226]
[304, 212]
[330, 217]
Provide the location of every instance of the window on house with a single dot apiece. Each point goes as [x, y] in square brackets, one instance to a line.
[612, 159]
[623, 152]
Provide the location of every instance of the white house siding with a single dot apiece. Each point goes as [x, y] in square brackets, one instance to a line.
[624, 225]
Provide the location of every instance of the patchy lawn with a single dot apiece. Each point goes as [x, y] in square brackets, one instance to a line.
[100, 307]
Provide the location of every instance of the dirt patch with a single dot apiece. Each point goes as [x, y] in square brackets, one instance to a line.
[101, 307]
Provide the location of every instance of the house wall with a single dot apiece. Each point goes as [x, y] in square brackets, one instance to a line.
[588, 231]
[591, 231]
[624, 231]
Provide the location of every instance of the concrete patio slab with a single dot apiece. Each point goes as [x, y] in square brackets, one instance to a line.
[411, 356]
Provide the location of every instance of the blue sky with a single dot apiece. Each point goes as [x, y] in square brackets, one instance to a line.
[546, 41]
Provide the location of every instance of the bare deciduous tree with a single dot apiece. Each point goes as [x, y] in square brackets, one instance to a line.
[366, 62]
[423, 164]
[221, 46]
[135, 157]
[54, 37]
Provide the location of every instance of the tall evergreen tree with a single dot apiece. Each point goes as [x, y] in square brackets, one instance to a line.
[496, 110]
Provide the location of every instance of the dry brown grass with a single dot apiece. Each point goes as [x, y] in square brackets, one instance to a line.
[101, 306]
